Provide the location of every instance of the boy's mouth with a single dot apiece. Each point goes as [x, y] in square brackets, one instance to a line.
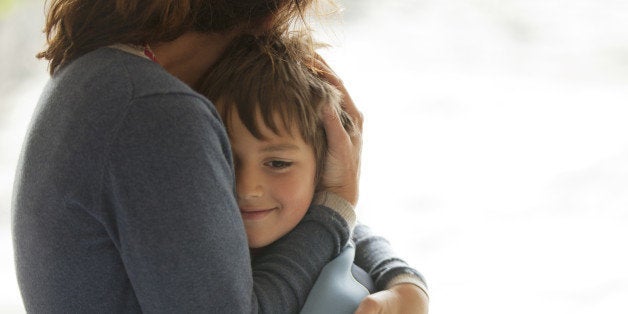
[255, 213]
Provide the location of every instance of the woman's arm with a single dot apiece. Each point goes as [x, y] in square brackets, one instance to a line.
[180, 235]
[312, 252]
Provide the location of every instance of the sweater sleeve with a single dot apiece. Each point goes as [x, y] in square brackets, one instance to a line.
[298, 258]
[176, 224]
[375, 255]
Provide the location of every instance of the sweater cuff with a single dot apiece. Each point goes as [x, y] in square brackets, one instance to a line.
[338, 205]
[408, 278]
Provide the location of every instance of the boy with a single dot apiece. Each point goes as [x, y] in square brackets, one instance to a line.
[269, 99]
[123, 197]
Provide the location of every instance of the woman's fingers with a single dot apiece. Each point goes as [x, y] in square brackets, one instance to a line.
[337, 136]
[342, 163]
[330, 76]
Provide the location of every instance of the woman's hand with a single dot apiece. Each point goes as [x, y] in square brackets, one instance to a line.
[401, 299]
[342, 164]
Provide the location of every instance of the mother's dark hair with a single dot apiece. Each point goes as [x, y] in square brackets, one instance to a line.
[75, 27]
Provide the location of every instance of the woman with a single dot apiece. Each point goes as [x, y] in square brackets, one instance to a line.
[124, 195]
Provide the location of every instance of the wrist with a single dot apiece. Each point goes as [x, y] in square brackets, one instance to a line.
[349, 192]
[338, 204]
[404, 280]
[412, 297]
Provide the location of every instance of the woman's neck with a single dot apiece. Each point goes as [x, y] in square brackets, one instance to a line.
[190, 55]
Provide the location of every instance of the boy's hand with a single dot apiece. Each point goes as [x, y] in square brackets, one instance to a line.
[342, 164]
[401, 298]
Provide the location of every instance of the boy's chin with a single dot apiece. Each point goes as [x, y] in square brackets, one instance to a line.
[257, 243]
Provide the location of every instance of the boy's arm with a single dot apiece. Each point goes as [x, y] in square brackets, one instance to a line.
[398, 283]
[401, 298]
[375, 255]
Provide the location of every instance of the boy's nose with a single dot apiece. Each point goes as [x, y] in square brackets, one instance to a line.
[248, 184]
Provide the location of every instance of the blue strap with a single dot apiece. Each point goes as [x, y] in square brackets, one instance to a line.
[337, 290]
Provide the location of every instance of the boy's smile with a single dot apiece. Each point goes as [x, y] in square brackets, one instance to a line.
[255, 214]
[275, 180]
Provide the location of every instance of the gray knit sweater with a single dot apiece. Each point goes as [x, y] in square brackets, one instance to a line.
[123, 203]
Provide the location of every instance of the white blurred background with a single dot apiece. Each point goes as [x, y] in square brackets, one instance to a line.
[495, 148]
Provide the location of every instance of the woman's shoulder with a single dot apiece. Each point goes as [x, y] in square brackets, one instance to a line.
[111, 70]
[108, 86]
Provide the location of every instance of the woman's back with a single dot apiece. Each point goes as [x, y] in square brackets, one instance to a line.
[75, 218]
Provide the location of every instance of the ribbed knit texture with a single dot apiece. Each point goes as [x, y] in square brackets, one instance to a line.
[375, 255]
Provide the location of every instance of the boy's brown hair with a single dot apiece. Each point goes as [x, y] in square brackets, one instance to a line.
[270, 77]
[75, 27]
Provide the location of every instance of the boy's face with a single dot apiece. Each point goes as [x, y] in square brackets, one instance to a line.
[275, 180]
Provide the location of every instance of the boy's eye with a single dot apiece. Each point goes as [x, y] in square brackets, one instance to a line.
[278, 164]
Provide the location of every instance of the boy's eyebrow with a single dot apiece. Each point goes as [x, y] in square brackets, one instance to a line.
[279, 147]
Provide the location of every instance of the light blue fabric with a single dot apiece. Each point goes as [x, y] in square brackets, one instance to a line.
[336, 290]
